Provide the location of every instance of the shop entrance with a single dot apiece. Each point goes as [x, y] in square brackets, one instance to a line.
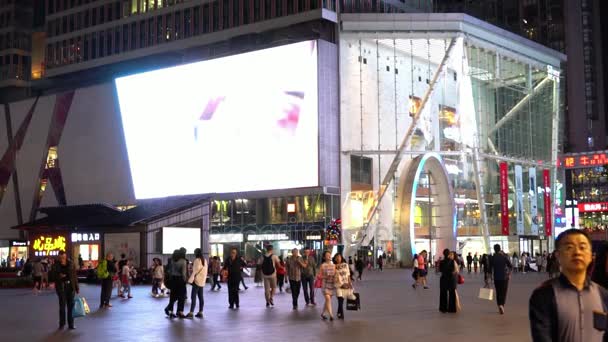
[532, 245]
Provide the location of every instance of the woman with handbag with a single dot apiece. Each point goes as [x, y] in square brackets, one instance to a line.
[198, 280]
[177, 272]
[327, 274]
[344, 285]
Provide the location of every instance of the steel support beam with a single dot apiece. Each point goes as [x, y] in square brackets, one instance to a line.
[511, 113]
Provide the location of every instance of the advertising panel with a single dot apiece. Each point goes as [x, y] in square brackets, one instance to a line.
[123, 243]
[519, 199]
[179, 237]
[504, 198]
[548, 207]
[533, 200]
[48, 244]
[247, 122]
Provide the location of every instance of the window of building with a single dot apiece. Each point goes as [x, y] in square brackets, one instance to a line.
[278, 9]
[236, 13]
[206, 18]
[196, 20]
[168, 26]
[102, 15]
[86, 19]
[246, 12]
[125, 38]
[225, 14]
[143, 38]
[187, 22]
[85, 53]
[267, 9]
[178, 25]
[133, 35]
[116, 43]
[257, 10]
[150, 31]
[160, 32]
[290, 7]
[110, 13]
[64, 25]
[94, 45]
[361, 170]
[94, 17]
[101, 40]
[71, 23]
[216, 16]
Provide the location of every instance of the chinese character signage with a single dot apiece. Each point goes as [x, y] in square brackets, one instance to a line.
[519, 199]
[533, 200]
[85, 237]
[48, 245]
[593, 207]
[548, 207]
[504, 198]
[585, 160]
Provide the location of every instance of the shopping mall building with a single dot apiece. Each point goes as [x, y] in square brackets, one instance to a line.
[400, 125]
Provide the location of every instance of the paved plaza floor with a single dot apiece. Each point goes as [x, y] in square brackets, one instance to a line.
[391, 311]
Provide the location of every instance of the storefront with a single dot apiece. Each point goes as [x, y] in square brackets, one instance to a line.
[86, 248]
[47, 244]
[12, 252]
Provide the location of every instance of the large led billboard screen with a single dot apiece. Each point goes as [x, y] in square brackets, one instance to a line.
[240, 123]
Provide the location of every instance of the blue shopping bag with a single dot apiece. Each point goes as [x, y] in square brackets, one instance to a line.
[78, 310]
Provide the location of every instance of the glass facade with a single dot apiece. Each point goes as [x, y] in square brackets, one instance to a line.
[471, 102]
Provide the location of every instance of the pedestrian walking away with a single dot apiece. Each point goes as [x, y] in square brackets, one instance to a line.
[216, 267]
[421, 272]
[233, 265]
[359, 265]
[177, 284]
[501, 267]
[327, 274]
[158, 274]
[295, 265]
[448, 282]
[475, 263]
[37, 275]
[281, 273]
[380, 263]
[269, 264]
[571, 307]
[469, 262]
[344, 285]
[308, 277]
[243, 274]
[63, 274]
[197, 279]
[106, 270]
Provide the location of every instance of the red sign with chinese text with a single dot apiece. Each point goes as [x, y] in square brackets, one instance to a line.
[587, 160]
[593, 207]
[504, 198]
[548, 218]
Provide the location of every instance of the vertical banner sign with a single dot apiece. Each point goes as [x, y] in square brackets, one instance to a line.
[504, 198]
[548, 208]
[519, 199]
[533, 200]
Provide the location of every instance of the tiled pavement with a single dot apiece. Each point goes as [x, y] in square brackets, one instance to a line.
[392, 311]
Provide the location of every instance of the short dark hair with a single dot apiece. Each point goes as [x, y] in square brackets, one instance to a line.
[571, 232]
[306, 248]
[497, 248]
[269, 248]
[61, 253]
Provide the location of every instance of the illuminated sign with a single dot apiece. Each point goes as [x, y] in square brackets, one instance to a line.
[225, 238]
[267, 237]
[85, 237]
[15, 243]
[313, 237]
[592, 207]
[291, 208]
[586, 160]
[48, 245]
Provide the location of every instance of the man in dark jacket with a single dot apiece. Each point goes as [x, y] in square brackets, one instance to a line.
[501, 267]
[63, 274]
[570, 308]
[234, 264]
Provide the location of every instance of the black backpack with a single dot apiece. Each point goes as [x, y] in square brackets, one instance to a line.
[268, 265]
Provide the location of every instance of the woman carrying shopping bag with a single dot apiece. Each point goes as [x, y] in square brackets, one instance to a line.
[344, 285]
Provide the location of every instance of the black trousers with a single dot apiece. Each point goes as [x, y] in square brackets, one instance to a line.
[501, 291]
[340, 306]
[106, 291]
[216, 281]
[295, 291]
[178, 294]
[280, 281]
[447, 295]
[233, 292]
[65, 293]
[308, 286]
[360, 271]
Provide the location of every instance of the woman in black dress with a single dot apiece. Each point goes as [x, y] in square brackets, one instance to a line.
[447, 283]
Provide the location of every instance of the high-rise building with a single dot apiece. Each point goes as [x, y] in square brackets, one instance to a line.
[16, 19]
[572, 27]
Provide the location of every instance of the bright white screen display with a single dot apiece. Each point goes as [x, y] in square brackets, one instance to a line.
[176, 238]
[241, 123]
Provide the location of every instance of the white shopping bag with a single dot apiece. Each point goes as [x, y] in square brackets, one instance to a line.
[487, 294]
